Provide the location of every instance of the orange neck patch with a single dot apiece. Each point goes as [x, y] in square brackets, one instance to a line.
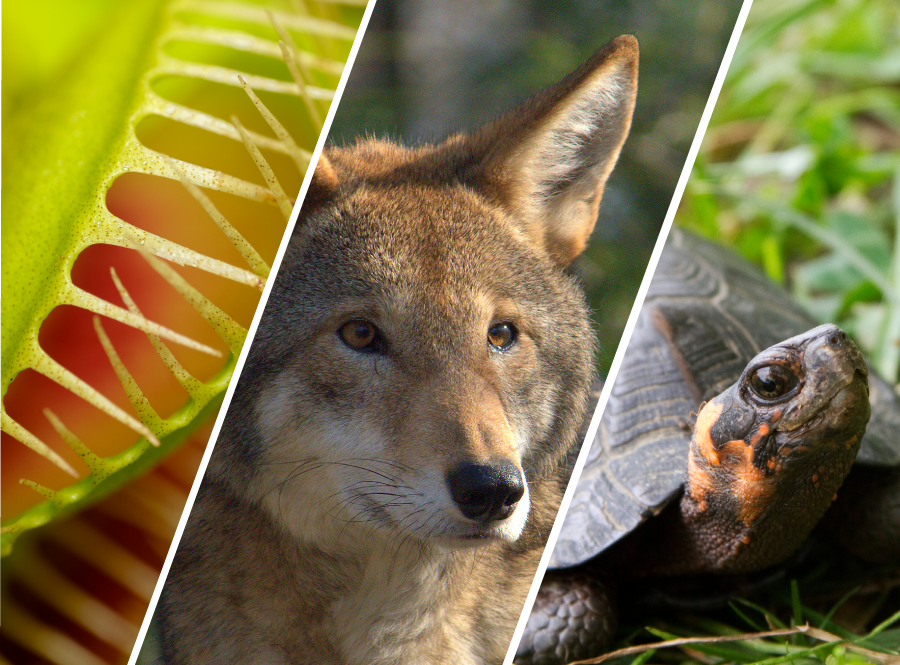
[728, 468]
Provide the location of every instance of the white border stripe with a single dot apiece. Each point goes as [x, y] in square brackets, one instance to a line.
[251, 333]
[629, 326]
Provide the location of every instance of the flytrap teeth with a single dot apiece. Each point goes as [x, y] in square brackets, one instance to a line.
[284, 203]
[215, 180]
[106, 580]
[256, 15]
[195, 388]
[302, 87]
[94, 462]
[45, 492]
[127, 235]
[227, 328]
[97, 305]
[210, 123]
[21, 434]
[79, 606]
[48, 642]
[56, 372]
[81, 539]
[135, 395]
[311, 49]
[112, 552]
[250, 255]
[296, 67]
[301, 157]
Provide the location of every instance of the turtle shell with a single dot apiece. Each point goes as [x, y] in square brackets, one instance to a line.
[707, 313]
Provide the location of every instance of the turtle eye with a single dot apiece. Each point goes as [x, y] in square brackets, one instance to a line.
[502, 335]
[773, 382]
[361, 335]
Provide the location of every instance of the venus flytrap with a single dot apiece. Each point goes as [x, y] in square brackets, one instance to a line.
[62, 159]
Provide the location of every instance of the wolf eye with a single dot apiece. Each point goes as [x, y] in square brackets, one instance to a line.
[502, 335]
[773, 382]
[362, 335]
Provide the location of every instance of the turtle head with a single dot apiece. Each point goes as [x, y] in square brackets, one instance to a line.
[814, 385]
[769, 453]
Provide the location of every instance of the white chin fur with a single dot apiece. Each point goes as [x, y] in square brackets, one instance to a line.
[513, 526]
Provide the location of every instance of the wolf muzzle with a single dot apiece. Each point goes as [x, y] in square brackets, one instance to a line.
[486, 492]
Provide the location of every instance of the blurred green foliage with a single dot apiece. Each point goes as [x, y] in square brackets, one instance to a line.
[800, 168]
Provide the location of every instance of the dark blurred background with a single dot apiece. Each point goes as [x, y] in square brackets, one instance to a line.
[428, 68]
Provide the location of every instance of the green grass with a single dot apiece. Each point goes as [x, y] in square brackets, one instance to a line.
[861, 625]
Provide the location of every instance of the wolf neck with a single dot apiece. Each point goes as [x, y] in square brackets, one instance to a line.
[398, 610]
[392, 593]
[407, 603]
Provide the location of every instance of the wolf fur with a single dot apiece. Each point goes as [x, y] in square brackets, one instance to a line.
[328, 528]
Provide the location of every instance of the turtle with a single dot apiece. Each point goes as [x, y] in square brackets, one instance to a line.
[732, 423]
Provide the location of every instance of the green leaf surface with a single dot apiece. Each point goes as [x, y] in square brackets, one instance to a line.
[59, 158]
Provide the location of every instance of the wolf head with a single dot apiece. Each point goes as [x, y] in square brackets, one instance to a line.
[425, 355]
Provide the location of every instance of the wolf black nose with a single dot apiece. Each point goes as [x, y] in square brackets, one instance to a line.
[486, 492]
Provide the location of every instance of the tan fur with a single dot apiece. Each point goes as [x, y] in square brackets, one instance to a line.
[326, 530]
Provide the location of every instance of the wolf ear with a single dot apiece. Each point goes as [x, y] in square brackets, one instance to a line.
[323, 186]
[548, 160]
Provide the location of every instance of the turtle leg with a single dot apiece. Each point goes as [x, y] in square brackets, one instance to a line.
[865, 518]
[574, 617]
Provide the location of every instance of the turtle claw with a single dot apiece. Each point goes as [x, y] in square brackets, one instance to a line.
[573, 618]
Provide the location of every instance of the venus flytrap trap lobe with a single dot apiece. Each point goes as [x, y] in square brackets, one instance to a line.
[86, 624]
[49, 224]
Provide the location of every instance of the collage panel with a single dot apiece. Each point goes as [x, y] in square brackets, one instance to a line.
[152, 154]
[745, 475]
[397, 445]
[410, 410]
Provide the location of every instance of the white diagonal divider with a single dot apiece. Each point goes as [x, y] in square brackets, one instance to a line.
[251, 333]
[629, 326]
